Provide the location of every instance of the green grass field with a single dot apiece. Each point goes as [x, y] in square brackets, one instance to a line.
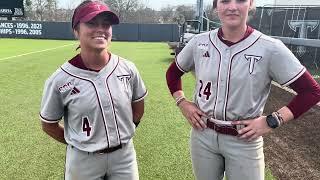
[161, 140]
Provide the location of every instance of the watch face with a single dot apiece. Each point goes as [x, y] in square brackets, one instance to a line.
[272, 121]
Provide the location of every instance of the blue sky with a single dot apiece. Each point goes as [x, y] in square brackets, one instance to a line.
[158, 4]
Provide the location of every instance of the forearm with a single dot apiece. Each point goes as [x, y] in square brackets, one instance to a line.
[55, 131]
[173, 77]
[286, 114]
[137, 117]
[178, 94]
[137, 111]
[308, 94]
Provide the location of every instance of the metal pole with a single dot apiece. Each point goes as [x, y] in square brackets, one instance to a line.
[201, 14]
[284, 22]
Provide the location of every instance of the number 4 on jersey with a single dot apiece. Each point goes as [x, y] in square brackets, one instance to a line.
[207, 89]
[86, 128]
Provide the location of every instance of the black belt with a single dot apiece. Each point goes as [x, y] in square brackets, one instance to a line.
[106, 150]
[109, 150]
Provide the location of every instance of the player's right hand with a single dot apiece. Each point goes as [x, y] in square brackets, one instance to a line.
[193, 114]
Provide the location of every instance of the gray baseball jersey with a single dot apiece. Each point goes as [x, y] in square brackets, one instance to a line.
[95, 106]
[234, 82]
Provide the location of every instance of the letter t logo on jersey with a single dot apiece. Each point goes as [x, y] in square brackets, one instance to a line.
[252, 60]
[125, 80]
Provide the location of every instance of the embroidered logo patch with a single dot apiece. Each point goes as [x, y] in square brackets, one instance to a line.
[65, 87]
[206, 54]
[252, 60]
[75, 91]
[125, 80]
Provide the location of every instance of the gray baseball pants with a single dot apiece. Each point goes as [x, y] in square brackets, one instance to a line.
[118, 165]
[214, 155]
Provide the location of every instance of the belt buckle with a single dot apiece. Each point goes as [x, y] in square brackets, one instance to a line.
[229, 130]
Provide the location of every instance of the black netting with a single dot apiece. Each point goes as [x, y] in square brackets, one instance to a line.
[295, 22]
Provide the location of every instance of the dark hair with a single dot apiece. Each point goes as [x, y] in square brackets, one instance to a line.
[74, 12]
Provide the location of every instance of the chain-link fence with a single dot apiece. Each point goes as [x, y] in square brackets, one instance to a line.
[293, 22]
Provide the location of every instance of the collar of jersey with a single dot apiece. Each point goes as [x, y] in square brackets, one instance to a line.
[92, 75]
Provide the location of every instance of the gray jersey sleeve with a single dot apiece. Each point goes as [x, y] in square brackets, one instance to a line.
[185, 59]
[139, 90]
[51, 104]
[285, 68]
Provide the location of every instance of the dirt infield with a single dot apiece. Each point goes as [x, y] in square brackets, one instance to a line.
[292, 152]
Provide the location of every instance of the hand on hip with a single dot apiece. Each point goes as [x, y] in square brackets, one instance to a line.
[193, 114]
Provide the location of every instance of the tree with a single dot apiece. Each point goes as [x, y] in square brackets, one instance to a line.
[143, 16]
[166, 14]
[187, 12]
[27, 9]
[213, 16]
[178, 14]
[41, 10]
[28, 3]
[123, 7]
[51, 7]
[66, 13]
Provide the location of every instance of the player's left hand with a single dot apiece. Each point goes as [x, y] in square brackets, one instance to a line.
[253, 129]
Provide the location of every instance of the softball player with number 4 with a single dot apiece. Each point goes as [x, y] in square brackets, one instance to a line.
[100, 97]
[234, 66]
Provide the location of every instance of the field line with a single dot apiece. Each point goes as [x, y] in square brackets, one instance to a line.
[34, 52]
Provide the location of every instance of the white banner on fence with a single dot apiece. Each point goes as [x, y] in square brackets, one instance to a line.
[20, 28]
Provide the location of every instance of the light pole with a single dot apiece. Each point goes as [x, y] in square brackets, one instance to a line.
[200, 13]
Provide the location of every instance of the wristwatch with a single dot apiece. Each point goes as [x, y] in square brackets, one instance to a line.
[273, 121]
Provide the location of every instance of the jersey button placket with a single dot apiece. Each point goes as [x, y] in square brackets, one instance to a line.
[110, 119]
[223, 80]
[221, 87]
